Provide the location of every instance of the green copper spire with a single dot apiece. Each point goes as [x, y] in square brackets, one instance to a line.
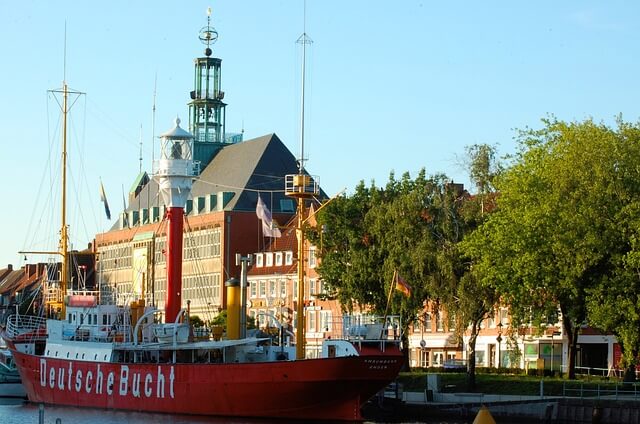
[206, 109]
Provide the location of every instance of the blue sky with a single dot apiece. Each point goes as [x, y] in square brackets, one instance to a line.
[392, 85]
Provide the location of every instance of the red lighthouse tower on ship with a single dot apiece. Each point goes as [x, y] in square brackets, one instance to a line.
[174, 172]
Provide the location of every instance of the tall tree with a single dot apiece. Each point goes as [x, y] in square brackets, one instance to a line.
[614, 305]
[554, 237]
[412, 227]
[474, 298]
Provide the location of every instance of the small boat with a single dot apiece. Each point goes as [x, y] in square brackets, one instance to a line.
[10, 385]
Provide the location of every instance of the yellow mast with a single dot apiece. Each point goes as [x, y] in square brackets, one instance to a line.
[63, 245]
[301, 186]
[300, 324]
[64, 248]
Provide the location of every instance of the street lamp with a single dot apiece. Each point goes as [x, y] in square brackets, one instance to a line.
[499, 340]
[553, 351]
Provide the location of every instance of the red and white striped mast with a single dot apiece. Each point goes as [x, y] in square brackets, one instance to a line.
[175, 172]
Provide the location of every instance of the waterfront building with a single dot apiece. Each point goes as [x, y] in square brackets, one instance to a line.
[272, 291]
[221, 216]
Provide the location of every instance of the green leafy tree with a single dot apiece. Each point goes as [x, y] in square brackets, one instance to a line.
[473, 298]
[411, 227]
[614, 305]
[350, 265]
[555, 237]
[380, 231]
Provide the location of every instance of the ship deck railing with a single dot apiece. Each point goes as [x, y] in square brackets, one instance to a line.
[363, 328]
[116, 333]
[26, 328]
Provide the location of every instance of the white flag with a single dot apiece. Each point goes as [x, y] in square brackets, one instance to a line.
[268, 230]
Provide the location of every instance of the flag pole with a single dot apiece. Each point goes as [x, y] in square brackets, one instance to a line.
[386, 309]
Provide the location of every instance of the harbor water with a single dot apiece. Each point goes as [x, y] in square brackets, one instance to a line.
[21, 412]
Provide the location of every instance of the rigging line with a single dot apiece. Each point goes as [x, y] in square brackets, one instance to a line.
[107, 121]
[153, 118]
[47, 169]
[240, 189]
[79, 186]
[273, 177]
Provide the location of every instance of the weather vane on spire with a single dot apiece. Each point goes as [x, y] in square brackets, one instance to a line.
[208, 35]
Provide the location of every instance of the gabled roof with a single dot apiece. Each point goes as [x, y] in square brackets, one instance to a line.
[23, 278]
[243, 169]
[11, 281]
[4, 272]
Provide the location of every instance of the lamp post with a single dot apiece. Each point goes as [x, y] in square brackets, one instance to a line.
[552, 353]
[553, 350]
[499, 340]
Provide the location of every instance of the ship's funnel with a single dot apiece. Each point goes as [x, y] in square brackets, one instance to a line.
[233, 308]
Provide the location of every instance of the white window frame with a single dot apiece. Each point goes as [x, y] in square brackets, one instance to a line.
[438, 358]
[312, 325]
[268, 261]
[278, 258]
[259, 260]
[283, 288]
[325, 320]
[312, 288]
[312, 257]
[288, 258]
[440, 322]
[427, 322]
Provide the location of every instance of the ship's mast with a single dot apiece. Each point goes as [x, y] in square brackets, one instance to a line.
[64, 248]
[301, 186]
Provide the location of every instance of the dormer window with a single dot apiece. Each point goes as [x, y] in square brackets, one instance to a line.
[278, 258]
[288, 258]
[268, 259]
[259, 260]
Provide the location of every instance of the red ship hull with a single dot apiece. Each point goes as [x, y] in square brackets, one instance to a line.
[327, 389]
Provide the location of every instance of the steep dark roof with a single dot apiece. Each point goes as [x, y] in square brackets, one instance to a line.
[244, 169]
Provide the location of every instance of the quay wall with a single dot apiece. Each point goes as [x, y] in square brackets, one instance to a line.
[415, 407]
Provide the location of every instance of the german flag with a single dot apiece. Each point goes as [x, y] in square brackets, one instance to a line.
[402, 285]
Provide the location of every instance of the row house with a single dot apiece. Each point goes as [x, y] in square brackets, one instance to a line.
[32, 288]
[434, 343]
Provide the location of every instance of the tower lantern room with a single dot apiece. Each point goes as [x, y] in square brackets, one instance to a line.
[206, 108]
